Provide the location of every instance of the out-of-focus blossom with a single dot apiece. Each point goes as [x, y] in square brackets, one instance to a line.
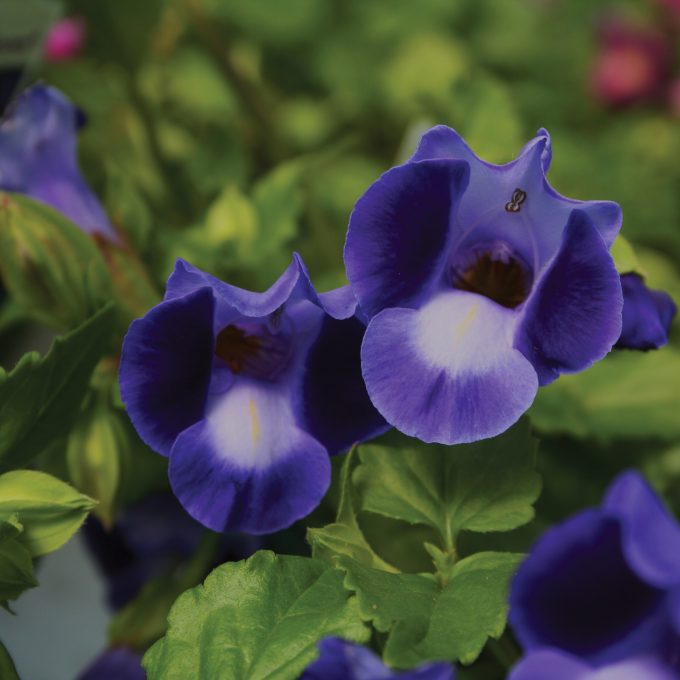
[66, 39]
[551, 664]
[632, 64]
[342, 660]
[119, 663]
[481, 283]
[248, 393]
[604, 585]
[647, 315]
[38, 139]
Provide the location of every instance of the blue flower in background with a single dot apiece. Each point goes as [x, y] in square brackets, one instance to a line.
[647, 315]
[119, 663]
[38, 138]
[481, 283]
[605, 584]
[342, 660]
[248, 393]
[555, 665]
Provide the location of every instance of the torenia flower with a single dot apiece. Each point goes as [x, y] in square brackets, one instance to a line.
[38, 139]
[647, 315]
[605, 584]
[247, 393]
[482, 283]
[65, 40]
[550, 663]
[342, 660]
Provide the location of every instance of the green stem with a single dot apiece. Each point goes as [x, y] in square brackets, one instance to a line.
[203, 559]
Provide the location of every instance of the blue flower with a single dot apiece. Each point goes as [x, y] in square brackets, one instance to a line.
[481, 283]
[118, 663]
[555, 665]
[248, 393]
[342, 660]
[38, 139]
[605, 584]
[647, 315]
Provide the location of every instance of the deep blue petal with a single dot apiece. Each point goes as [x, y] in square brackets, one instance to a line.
[398, 233]
[248, 468]
[118, 663]
[650, 535]
[342, 660]
[38, 139]
[165, 367]
[647, 315]
[447, 372]
[575, 591]
[573, 317]
[337, 409]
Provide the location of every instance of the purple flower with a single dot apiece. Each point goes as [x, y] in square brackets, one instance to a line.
[482, 283]
[556, 665]
[119, 663]
[248, 393]
[647, 315]
[38, 158]
[342, 660]
[604, 585]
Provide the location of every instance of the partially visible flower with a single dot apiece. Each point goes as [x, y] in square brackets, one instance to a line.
[481, 283]
[342, 660]
[647, 315]
[632, 64]
[556, 665]
[65, 40]
[118, 663]
[38, 139]
[248, 393]
[148, 539]
[604, 585]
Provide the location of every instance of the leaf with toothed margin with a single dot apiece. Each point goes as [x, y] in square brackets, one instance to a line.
[254, 620]
[426, 621]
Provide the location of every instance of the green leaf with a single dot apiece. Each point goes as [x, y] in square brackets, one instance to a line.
[344, 536]
[41, 397]
[256, 619]
[7, 669]
[50, 510]
[628, 394]
[51, 268]
[16, 565]
[486, 486]
[426, 622]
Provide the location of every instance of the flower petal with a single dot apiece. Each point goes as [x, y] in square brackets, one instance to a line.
[573, 317]
[248, 466]
[398, 233]
[38, 158]
[165, 367]
[575, 591]
[651, 537]
[647, 315]
[337, 409]
[550, 663]
[447, 372]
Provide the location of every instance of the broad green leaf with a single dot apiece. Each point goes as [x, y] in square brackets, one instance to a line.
[628, 394]
[16, 565]
[344, 536]
[256, 619]
[7, 669]
[41, 397]
[50, 510]
[486, 486]
[51, 268]
[426, 621]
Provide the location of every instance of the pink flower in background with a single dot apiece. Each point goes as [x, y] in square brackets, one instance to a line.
[631, 66]
[65, 40]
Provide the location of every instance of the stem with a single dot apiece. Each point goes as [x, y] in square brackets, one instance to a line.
[203, 558]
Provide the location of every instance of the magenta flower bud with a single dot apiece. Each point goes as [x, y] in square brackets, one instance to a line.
[66, 39]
